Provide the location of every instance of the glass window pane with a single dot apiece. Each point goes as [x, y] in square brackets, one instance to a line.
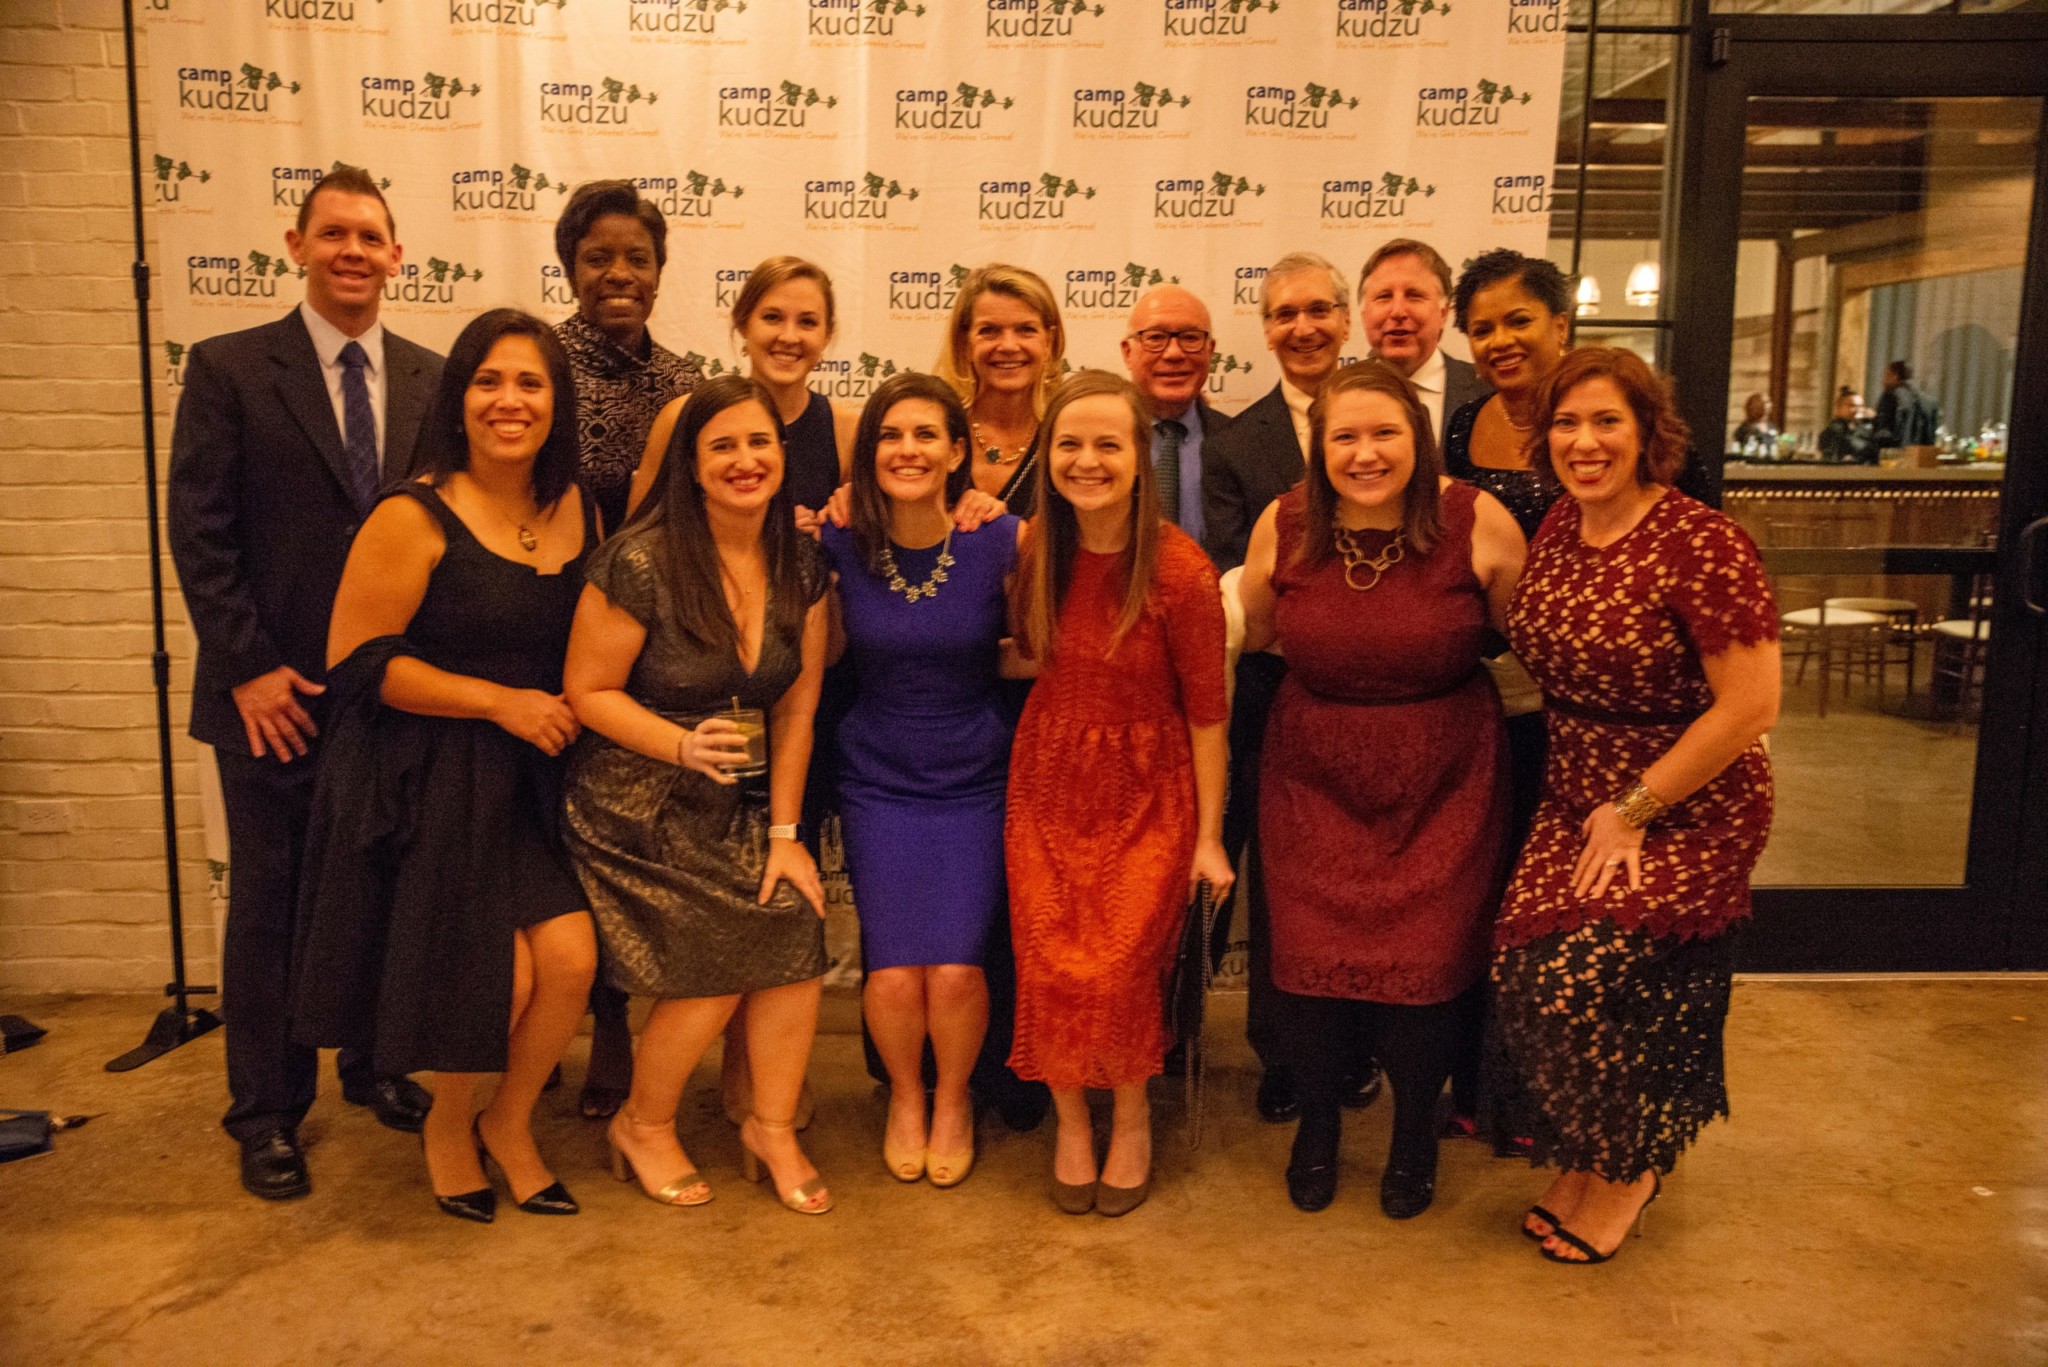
[1839, 7]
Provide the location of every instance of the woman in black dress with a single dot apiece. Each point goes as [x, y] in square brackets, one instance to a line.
[438, 903]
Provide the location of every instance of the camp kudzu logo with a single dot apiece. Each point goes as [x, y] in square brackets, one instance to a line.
[431, 101]
[787, 106]
[367, 15]
[726, 284]
[1044, 200]
[174, 365]
[1385, 197]
[289, 185]
[490, 191]
[1480, 105]
[1209, 20]
[1247, 287]
[1110, 290]
[869, 199]
[1521, 197]
[679, 18]
[501, 16]
[168, 178]
[607, 103]
[1286, 110]
[1218, 196]
[438, 284]
[246, 89]
[926, 291]
[237, 278]
[860, 18]
[1222, 367]
[855, 379]
[1040, 21]
[696, 195]
[1397, 23]
[963, 108]
[1124, 111]
[1535, 20]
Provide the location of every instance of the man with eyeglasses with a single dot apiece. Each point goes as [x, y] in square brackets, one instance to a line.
[1307, 313]
[1404, 300]
[1167, 350]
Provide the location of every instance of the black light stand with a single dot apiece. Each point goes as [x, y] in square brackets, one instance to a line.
[179, 1022]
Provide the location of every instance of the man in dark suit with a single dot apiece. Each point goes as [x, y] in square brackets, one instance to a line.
[1404, 300]
[1261, 456]
[1167, 349]
[284, 434]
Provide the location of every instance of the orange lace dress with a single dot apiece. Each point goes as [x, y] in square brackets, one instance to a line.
[1100, 829]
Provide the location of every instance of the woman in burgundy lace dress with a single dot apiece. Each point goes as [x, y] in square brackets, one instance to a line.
[1383, 796]
[1647, 620]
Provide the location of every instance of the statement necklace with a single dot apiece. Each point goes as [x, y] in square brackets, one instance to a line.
[1355, 558]
[930, 587]
[993, 453]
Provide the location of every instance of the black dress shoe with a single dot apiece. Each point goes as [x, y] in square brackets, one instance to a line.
[1277, 1102]
[1313, 1187]
[1406, 1192]
[1361, 1087]
[552, 1199]
[480, 1205]
[273, 1168]
[400, 1103]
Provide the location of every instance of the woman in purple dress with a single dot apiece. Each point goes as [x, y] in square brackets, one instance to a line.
[924, 758]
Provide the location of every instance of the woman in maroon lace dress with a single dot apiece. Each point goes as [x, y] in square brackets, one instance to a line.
[1383, 795]
[1647, 620]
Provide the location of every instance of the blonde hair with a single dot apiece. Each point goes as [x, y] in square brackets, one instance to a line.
[1027, 288]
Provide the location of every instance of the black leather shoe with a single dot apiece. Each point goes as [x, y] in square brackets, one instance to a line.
[273, 1168]
[1406, 1192]
[480, 1205]
[400, 1103]
[1312, 1164]
[552, 1199]
[1276, 1101]
[1361, 1088]
[1312, 1188]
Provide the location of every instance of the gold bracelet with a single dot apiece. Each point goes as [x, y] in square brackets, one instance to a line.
[1638, 807]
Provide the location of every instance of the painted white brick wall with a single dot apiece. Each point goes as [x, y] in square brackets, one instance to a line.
[82, 887]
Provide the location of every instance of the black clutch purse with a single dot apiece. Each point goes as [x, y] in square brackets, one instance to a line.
[1186, 994]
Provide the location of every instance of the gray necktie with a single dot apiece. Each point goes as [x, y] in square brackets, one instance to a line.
[359, 426]
[1171, 434]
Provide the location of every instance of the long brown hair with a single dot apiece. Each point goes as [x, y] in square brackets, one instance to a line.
[1047, 564]
[870, 520]
[1422, 519]
[675, 503]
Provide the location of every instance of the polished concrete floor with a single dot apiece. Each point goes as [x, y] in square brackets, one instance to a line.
[1880, 1196]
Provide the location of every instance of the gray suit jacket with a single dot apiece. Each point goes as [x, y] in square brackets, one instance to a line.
[259, 506]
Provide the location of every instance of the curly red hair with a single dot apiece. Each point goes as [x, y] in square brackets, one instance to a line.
[1666, 438]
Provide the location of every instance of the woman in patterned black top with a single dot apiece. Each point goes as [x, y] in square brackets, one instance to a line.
[613, 245]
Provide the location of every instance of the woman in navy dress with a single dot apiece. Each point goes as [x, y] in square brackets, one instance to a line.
[924, 758]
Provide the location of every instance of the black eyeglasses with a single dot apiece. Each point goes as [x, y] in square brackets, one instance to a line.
[1155, 339]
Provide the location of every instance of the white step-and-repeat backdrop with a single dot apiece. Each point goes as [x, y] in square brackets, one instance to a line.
[1107, 144]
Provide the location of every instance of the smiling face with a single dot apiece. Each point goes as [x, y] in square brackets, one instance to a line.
[739, 458]
[1516, 341]
[1403, 308]
[616, 277]
[1007, 344]
[1172, 376]
[1596, 443]
[1094, 457]
[347, 252]
[786, 333]
[510, 403]
[1368, 450]
[913, 454]
[1306, 326]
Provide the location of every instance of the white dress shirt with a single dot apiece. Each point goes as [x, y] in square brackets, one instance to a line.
[328, 340]
[1429, 387]
[1297, 409]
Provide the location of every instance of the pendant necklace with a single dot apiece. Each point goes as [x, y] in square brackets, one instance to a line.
[993, 453]
[1355, 558]
[930, 587]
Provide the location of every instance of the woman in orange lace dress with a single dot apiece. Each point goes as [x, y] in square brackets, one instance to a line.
[1116, 780]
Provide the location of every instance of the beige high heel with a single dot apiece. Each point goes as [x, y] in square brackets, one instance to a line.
[949, 1170]
[906, 1165]
[671, 1194]
[805, 1197]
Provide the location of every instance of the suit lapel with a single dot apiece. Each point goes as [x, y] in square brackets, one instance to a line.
[405, 404]
[304, 391]
[1280, 422]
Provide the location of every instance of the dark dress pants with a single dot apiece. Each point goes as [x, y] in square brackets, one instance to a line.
[1258, 681]
[271, 1080]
